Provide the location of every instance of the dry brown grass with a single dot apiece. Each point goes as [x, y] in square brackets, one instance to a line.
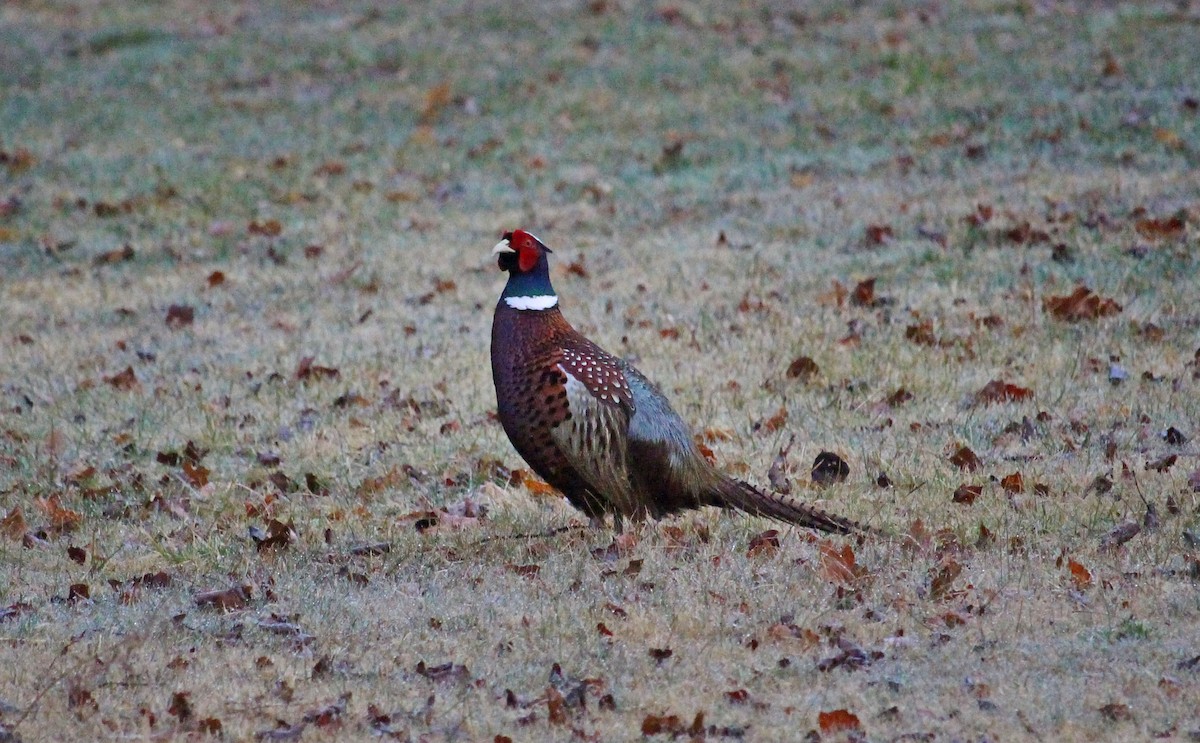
[400, 141]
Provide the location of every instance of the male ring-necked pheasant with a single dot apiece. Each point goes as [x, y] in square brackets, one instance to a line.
[591, 425]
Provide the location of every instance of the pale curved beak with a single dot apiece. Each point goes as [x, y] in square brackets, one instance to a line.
[502, 247]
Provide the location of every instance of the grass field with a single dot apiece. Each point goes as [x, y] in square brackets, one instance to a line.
[250, 481]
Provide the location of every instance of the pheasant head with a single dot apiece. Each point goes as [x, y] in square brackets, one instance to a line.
[523, 257]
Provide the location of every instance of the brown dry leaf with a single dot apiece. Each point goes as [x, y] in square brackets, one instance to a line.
[277, 534]
[662, 725]
[1116, 712]
[13, 525]
[307, 370]
[61, 518]
[943, 577]
[802, 368]
[266, 228]
[180, 316]
[835, 297]
[1170, 228]
[967, 494]
[228, 599]
[918, 538]
[1163, 464]
[436, 100]
[125, 380]
[556, 707]
[1120, 534]
[999, 391]
[837, 721]
[965, 459]
[838, 564]
[765, 544]
[215, 279]
[525, 571]
[864, 294]
[116, 255]
[774, 423]
[898, 398]
[1013, 483]
[1080, 575]
[195, 474]
[879, 234]
[921, 333]
[1081, 304]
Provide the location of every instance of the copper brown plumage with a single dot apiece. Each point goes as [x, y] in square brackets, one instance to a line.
[592, 425]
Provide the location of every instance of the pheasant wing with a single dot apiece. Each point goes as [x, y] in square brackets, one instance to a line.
[594, 436]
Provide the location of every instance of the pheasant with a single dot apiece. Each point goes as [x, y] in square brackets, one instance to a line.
[594, 427]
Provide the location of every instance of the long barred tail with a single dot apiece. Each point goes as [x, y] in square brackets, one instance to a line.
[745, 497]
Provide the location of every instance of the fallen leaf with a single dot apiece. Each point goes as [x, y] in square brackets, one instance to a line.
[1080, 575]
[539, 489]
[307, 370]
[1116, 712]
[1120, 534]
[802, 368]
[1082, 304]
[864, 294]
[773, 423]
[879, 234]
[436, 100]
[662, 725]
[62, 519]
[1170, 228]
[196, 475]
[765, 544]
[837, 721]
[13, 525]
[737, 696]
[266, 228]
[1163, 464]
[965, 459]
[227, 599]
[838, 564]
[967, 494]
[1013, 483]
[180, 316]
[943, 577]
[999, 391]
[125, 380]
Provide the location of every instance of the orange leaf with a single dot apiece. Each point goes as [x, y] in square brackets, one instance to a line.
[1080, 576]
[13, 525]
[837, 720]
[838, 565]
[539, 489]
[999, 391]
[1013, 483]
[436, 99]
[61, 518]
[1081, 304]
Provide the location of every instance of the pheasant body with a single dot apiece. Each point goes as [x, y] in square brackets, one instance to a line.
[592, 425]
